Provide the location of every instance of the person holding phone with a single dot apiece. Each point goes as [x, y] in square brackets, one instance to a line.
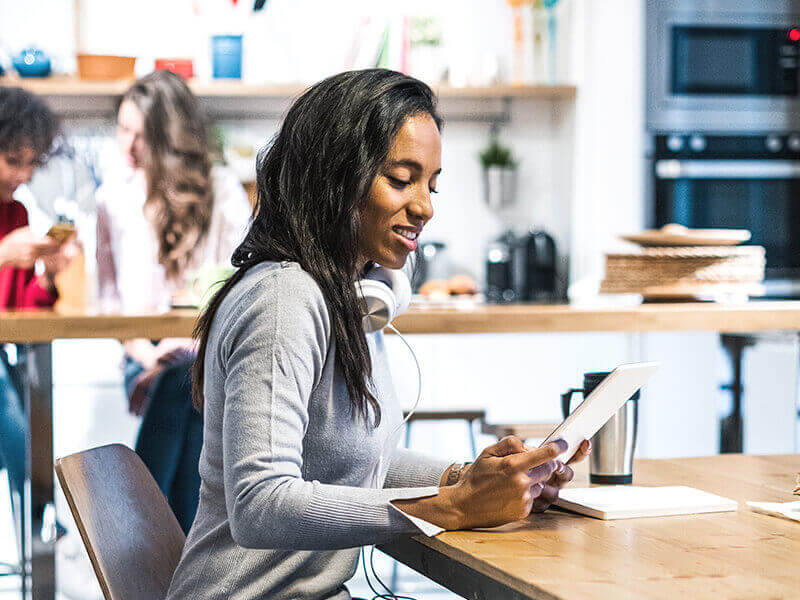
[27, 131]
[298, 404]
[166, 212]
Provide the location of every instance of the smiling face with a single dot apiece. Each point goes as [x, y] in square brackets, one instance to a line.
[399, 203]
[130, 134]
[16, 168]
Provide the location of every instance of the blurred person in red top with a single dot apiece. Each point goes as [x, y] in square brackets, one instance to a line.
[27, 130]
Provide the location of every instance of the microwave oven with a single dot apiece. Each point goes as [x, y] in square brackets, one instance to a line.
[723, 65]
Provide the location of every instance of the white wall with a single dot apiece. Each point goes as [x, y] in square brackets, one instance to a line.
[609, 124]
[304, 40]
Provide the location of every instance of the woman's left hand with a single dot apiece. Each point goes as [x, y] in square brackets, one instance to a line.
[560, 477]
[140, 397]
[60, 260]
[171, 350]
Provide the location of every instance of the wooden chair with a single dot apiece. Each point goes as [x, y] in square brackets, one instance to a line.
[130, 533]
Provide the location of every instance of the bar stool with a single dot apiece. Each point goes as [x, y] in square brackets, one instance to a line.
[523, 431]
[470, 416]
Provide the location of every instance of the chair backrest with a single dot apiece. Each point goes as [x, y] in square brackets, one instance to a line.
[129, 530]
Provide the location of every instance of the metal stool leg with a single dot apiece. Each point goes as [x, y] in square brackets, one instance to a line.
[7, 569]
[472, 444]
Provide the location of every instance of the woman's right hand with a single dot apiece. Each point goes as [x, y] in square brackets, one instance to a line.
[21, 248]
[503, 482]
[498, 488]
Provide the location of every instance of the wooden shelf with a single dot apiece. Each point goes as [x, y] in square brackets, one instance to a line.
[70, 86]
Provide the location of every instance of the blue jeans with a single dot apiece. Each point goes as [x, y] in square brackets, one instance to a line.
[171, 437]
[13, 426]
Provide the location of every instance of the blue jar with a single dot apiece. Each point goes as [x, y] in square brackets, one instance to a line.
[226, 53]
[32, 62]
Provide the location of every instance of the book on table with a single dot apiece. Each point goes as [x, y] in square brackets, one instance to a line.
[630, 501]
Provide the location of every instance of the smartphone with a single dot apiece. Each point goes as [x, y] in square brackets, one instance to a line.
[599, 406]
[61, 231]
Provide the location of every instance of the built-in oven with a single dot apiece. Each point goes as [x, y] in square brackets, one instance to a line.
[723, 65]
[734, 181]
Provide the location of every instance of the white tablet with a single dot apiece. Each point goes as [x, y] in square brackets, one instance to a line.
[599, 406]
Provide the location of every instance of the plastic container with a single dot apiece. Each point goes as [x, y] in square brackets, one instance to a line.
[102, 66]
[226, 56]
[180, 66]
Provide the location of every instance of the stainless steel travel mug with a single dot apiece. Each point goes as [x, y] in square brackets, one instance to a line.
[611, 461]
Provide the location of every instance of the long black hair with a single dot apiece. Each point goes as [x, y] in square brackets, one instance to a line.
[313, 183]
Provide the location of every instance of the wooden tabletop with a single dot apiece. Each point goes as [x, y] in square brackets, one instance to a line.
[558, 555]
[44, 326]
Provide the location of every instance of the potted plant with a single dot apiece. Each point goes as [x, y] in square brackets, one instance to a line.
[499, 175]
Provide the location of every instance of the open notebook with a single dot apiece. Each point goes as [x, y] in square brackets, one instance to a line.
[630, 501]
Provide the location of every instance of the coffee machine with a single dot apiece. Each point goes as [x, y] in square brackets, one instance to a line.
[501, 276]
[538, 258]
[522, 268]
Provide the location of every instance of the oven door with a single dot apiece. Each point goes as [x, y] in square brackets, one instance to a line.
[762, 196]
[722, 70]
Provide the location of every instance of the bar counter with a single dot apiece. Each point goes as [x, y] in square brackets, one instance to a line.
[46, 326]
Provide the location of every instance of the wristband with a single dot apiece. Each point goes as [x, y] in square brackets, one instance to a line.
[456, 470]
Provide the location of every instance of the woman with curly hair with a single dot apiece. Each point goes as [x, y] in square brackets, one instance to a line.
[27, 130]
[167, 211]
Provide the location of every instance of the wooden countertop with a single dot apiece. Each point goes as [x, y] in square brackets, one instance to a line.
[690, 316]
[26, 327]
[562, 556]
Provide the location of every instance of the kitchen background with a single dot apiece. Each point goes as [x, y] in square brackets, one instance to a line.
[581, 176]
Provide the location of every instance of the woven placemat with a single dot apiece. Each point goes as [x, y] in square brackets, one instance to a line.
[686, 271]
[686, 290]
[691, 252]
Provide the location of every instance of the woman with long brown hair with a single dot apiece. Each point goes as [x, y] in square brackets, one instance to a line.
[299, 467]
[167, 211]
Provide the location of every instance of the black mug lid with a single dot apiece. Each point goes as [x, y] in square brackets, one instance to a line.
[592, 380]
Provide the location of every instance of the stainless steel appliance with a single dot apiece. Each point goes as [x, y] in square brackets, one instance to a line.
[537, 254]
[522, 268]
[500, 276]
[735, 181]
[723, 65]
[430, 262]
[723, 123]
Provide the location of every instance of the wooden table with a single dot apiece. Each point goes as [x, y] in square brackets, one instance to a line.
[37, 330]
[562, 556]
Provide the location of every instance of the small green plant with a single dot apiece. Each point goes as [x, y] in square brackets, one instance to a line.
[425, 31]
[496, 155]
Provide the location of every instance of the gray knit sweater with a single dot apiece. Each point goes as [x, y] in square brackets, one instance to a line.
[288, 491]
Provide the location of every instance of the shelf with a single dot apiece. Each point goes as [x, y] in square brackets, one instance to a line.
[70, 86]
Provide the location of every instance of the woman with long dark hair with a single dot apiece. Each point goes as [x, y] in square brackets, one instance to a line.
[298, 404]
[166, 211]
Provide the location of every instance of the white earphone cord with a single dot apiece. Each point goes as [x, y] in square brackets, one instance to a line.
[419, 376]
[390, 594]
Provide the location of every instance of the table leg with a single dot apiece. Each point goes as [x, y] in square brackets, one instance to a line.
[731, 428]
[39, 409]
